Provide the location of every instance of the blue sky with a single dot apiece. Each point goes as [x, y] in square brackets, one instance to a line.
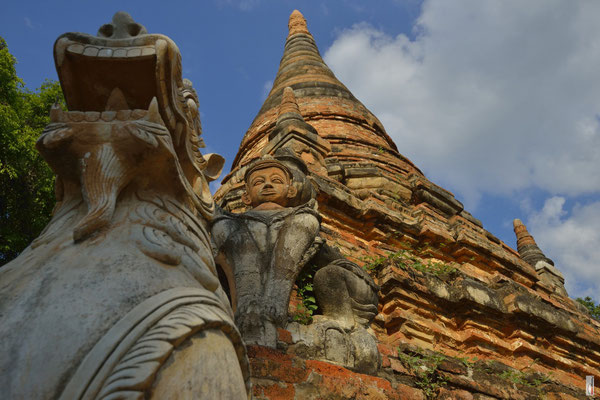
[496, 102]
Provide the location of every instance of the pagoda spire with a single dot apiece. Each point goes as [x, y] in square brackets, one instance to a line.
[288, 109]
[321, 96]
[301, 65]
[297, 23]
[526, 245]
[296, 135]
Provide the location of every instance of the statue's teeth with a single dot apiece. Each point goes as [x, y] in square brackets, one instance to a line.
[90, 51]
[107, 52]
[153, 114]
[110, 52]
[135, 52]
[137, 114]
[76, 116]
[75, 48]
[120, 53]
[123, 115]
[108, 116]
[92, 116]
[148, 51]
[57, 115]
[116, 101]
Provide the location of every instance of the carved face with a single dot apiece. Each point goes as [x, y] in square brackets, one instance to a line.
[269, 185]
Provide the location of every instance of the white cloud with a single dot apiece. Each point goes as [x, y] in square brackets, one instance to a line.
[491, 97]
[572, 241]
[28, 23]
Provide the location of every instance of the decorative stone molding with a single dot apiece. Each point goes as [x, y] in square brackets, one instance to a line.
[124, 363]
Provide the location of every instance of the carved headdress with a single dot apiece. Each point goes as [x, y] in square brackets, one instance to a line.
[266, 162]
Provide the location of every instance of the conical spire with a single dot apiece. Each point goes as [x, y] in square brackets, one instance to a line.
[297, 23]
[288, 109]
[302, 66]
[526, 245]
[297, 136]
[321, 96]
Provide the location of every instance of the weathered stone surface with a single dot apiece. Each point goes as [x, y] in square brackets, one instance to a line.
[374, 203]
[413, 374]
[172, 383]
[121, 287]
[325, 340]
[265, 249]
[492, 319]
[346, 293]
[279, 376]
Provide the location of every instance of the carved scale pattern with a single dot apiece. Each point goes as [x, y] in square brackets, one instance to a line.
[170, 233]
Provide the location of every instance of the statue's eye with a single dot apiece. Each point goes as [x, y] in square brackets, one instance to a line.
[106, 30]
[277, 180]
[257, 182]
[134, 29]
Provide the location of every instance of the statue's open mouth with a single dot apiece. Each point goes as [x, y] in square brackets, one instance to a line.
[91, 73]
[116, 75]
[99, 74]
[127, 74]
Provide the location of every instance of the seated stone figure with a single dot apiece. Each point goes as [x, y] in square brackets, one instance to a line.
[266, 248]
[347, 298]
[344, 291]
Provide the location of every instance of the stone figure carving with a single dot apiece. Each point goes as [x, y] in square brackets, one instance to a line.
[119, 296]
[267, 247]
[347, 297]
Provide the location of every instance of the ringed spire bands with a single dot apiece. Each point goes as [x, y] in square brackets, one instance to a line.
[324, 101]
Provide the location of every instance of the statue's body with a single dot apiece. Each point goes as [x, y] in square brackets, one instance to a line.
[266, 248]
[119, 296]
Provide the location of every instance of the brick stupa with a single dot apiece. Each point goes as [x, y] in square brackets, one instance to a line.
[448, 286]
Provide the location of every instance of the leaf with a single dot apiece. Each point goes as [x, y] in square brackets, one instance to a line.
[27, 182]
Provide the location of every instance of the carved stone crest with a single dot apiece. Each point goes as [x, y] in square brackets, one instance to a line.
[101, 303]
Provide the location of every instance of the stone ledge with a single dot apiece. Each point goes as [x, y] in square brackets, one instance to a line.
[502, 319]
[412, 373]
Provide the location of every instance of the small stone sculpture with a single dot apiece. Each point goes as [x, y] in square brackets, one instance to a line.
[530, 252]
[119, 296]
[347, 298]
[266, 248]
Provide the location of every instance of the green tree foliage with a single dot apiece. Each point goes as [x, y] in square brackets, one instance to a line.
[26, 181]
[592, 307]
